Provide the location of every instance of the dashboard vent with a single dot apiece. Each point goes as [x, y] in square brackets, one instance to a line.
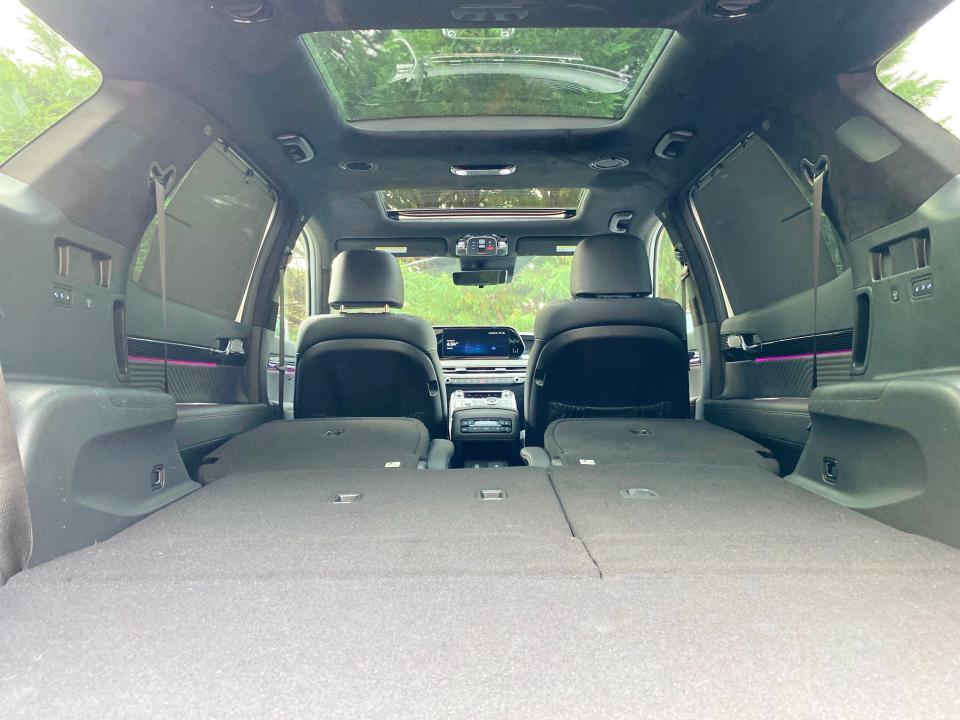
[478, 370]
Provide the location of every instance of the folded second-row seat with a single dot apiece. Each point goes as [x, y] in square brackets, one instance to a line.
[369, 391]
[613, 441]
[607, 382]
[328, 444]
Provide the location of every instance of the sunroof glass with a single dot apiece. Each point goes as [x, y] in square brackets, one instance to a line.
[566, 72]
[484, 199]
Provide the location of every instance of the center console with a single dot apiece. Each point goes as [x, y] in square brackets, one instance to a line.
[485, 428]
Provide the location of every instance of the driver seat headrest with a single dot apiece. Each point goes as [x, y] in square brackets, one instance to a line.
[365, 279]
[610, 265]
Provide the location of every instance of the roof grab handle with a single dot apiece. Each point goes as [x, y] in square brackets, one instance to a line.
[672, 144]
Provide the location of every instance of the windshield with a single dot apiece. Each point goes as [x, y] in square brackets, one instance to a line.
[571, 72]
[429, 292]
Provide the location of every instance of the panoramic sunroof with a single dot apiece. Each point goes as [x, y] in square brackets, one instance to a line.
[563, 72]
[419, 204]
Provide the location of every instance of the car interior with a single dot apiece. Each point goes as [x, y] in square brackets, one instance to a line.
[500, 358]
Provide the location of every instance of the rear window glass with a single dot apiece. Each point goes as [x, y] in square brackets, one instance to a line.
[429, 292]
[216, 222]
[924, 69]
[42, 78]
[756, 220]
[483, 198]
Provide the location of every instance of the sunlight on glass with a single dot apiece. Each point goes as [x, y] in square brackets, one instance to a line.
[42, 77]
[925, 69]
[572, 72]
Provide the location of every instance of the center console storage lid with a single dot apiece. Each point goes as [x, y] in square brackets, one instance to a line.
[613, 441]
[321, 444]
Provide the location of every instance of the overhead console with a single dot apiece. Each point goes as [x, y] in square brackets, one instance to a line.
[482, 246]
[458, 343]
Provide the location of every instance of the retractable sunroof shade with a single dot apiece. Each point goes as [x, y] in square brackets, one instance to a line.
[515, 203]
[562, 72]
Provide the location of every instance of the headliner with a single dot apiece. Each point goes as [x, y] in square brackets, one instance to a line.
[716, 77]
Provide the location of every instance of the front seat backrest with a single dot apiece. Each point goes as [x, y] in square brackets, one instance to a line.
[611, 351]
[362, 360]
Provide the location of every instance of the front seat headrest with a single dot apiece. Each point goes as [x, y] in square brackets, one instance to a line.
[365, 279]
[610, 265]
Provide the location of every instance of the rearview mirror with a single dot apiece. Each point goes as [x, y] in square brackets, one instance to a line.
[481, 277]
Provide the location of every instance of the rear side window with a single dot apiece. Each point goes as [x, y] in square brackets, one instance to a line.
[42, 78]
[755, 216]
[924, 69]
[217, 219]
[297, 283]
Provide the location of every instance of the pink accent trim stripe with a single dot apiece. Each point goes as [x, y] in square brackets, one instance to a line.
[189, 363]
[808, 356]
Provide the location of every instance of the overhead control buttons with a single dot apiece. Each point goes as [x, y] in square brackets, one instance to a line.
[483, 246]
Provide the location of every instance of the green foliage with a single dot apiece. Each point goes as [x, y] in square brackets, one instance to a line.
[916, 88]
[296, 287]
[431, 294]
[577, 72]
[669, 271]
[542, 198]
[36, 94]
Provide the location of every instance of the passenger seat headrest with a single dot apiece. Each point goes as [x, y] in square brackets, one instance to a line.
[365, 279]
[610, 265]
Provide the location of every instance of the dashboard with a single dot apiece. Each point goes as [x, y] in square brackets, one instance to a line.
[464, 343]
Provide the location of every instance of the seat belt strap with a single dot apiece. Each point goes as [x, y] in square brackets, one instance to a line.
[16, 531]
[816, 175]
[282, 334]
[160, 179]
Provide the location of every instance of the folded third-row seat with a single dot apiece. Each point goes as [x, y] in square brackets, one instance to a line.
[329, 444]
[614, 441]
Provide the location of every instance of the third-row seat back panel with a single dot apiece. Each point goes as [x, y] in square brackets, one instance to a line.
[347, 524]
[652, 520]
[321, 444]
[607, 441]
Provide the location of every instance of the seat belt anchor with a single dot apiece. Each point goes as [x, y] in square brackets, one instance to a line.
[811, 171]
[166, 177]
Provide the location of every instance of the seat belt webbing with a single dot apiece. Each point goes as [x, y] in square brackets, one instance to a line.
[16, 531]
[816, 176]
[160, 179]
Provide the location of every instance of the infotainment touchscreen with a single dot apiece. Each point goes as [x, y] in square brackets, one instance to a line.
[476, 342]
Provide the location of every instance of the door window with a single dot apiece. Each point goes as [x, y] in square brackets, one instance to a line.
[755, 218]
[217, 219]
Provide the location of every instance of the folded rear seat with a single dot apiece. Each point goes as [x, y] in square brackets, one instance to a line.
[614, 441]
[328, 444]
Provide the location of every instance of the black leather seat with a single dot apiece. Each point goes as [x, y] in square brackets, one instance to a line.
[612, 351]
[369, 364]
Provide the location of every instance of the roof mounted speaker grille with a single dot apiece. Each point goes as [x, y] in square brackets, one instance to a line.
[731, 9]
[243, 12]
[358, 166]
